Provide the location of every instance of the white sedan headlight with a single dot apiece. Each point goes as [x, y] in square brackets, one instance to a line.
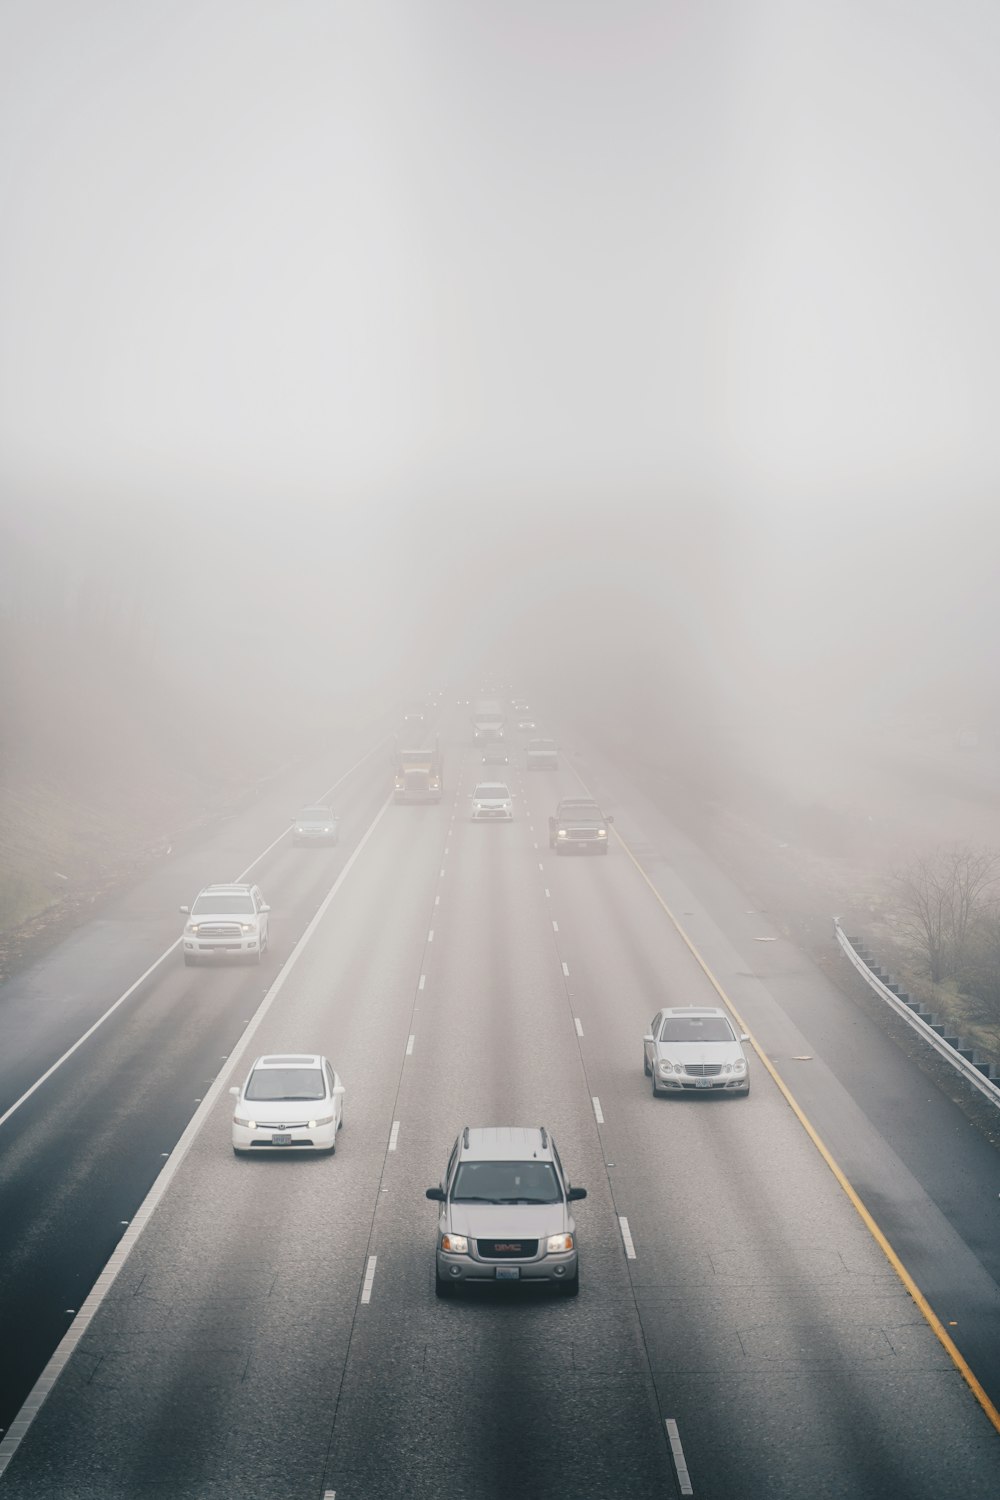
[247, 1124]
[326, 1120]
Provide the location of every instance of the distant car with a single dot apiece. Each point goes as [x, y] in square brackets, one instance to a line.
[505, 1212]
[492, 800]
[289, 1102]
[541, 755]
[526, 724]
[316, 825]
[694, 1049]
[226, 921]
[495, 755]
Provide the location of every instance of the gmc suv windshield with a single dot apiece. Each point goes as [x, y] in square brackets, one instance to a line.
[506, 1182]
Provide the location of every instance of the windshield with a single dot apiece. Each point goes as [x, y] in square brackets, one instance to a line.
[491, 791]
[286, 1083]
[697, 1029]
[315, 815]
[506, 1182]
[228, 903]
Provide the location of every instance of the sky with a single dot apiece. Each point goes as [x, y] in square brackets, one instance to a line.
[409, 330]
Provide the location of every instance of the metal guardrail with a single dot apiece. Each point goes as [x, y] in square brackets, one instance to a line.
[986, 1086]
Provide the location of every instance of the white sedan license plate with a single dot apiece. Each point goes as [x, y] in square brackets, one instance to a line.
[508, 1273]
[281, 1139]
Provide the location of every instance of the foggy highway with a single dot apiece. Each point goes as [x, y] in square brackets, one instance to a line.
[274, 1330]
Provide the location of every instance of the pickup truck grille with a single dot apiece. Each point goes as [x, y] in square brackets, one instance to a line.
[219, 930]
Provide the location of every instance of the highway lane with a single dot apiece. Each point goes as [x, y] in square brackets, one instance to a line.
[405, 1395]
[932, 1181]
[80, 1153]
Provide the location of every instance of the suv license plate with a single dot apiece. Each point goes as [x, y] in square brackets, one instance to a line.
[281, 1140]
[508, 1273]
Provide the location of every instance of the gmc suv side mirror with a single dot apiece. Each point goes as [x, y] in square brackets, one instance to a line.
[648, 1038]
[435, 1194]
[575, 1194]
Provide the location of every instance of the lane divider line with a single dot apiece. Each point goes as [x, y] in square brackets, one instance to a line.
[88, 1311]
[626, 1237]
[565, 968]
[366, 1290]
[423, 981]
[598, 1113]
[409, 1045]
[430, 935]
[579, 1028]
[877, 1234]
[393, 1135]
[555, 926]
[680, 1462]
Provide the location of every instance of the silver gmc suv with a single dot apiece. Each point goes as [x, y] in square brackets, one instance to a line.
[505, 1211]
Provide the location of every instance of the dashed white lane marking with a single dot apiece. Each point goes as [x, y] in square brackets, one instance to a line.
[598, 1113]
[423, 981]
[393, 1135]
[680, 1462]
[409, 1045]
[430, 936]
[540, 865]
[441, 874]
[366, 1290]
[565, 968]
[579, 1028]
[534, 846]
[555, 926]
[626, 1236]
[548, 892]
[437, 900]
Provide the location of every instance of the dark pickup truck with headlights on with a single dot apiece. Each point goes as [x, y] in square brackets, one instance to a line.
[579, 826]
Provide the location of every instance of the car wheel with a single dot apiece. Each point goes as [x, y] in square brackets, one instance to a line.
[189, 961]
[656, 1092]
[745, 1093]
[571, 1288]
[443, 1288]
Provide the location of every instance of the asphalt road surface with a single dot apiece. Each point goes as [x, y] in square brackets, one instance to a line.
[272, 1331]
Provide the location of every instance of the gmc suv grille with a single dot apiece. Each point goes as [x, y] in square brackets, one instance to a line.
[507, 1249]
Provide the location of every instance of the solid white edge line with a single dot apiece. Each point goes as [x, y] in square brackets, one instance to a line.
[598, 1113]
[393, 1135]
[366, 1290]
[409, 1044]
[155, 964]
[626, 1237]
[579, 1028]
[74, 1333]
[677, 1453]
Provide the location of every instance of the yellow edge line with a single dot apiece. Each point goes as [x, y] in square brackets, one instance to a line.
[870, 1224]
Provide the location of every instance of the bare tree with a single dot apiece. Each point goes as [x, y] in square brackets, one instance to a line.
[979, 970]
[941, 896]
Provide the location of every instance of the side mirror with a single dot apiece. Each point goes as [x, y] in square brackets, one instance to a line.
[235, 1093]
[186, 910]
[648, 1038]
[339, 1090]
[744, 1036]
[436, 1195]
[609, 818]
[575, 1194]
[264, 906]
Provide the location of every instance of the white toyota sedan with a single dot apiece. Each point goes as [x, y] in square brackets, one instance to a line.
[292, 1101]
[492, 800]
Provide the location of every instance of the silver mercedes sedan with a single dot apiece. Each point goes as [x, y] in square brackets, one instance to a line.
[694, 1049]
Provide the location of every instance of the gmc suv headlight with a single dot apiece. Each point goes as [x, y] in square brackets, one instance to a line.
[562, 834]
[557, 1243]
[457, 1244]
[602, 833]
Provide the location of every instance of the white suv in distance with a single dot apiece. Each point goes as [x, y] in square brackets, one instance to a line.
[226, 921]
[492, 800]
[693, 1049]
[288, 1102]
[505, 1212]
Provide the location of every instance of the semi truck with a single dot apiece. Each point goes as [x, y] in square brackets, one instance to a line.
[419, 772]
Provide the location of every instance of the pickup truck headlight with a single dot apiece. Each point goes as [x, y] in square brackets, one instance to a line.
[457, 1244]
[191, 927]
[247, 927]
[602, 833]
[562, 834]
[558, 1244]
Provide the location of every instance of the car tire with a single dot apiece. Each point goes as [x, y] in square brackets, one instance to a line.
[645, 1066]
[570, 1288]
[189, 961]
[745, 1093]
[656, 1091]
[443, 1289]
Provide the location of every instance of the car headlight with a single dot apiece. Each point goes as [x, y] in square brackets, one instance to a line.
[191, 927]
[557, 1243]
[602, 833]
[727, 1067]
[247, 1124]
[456, 1243]
[247, 927]
[671, 1067]
[326, 1120]
[740, 1066]
[562, 834]
[327, 830]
